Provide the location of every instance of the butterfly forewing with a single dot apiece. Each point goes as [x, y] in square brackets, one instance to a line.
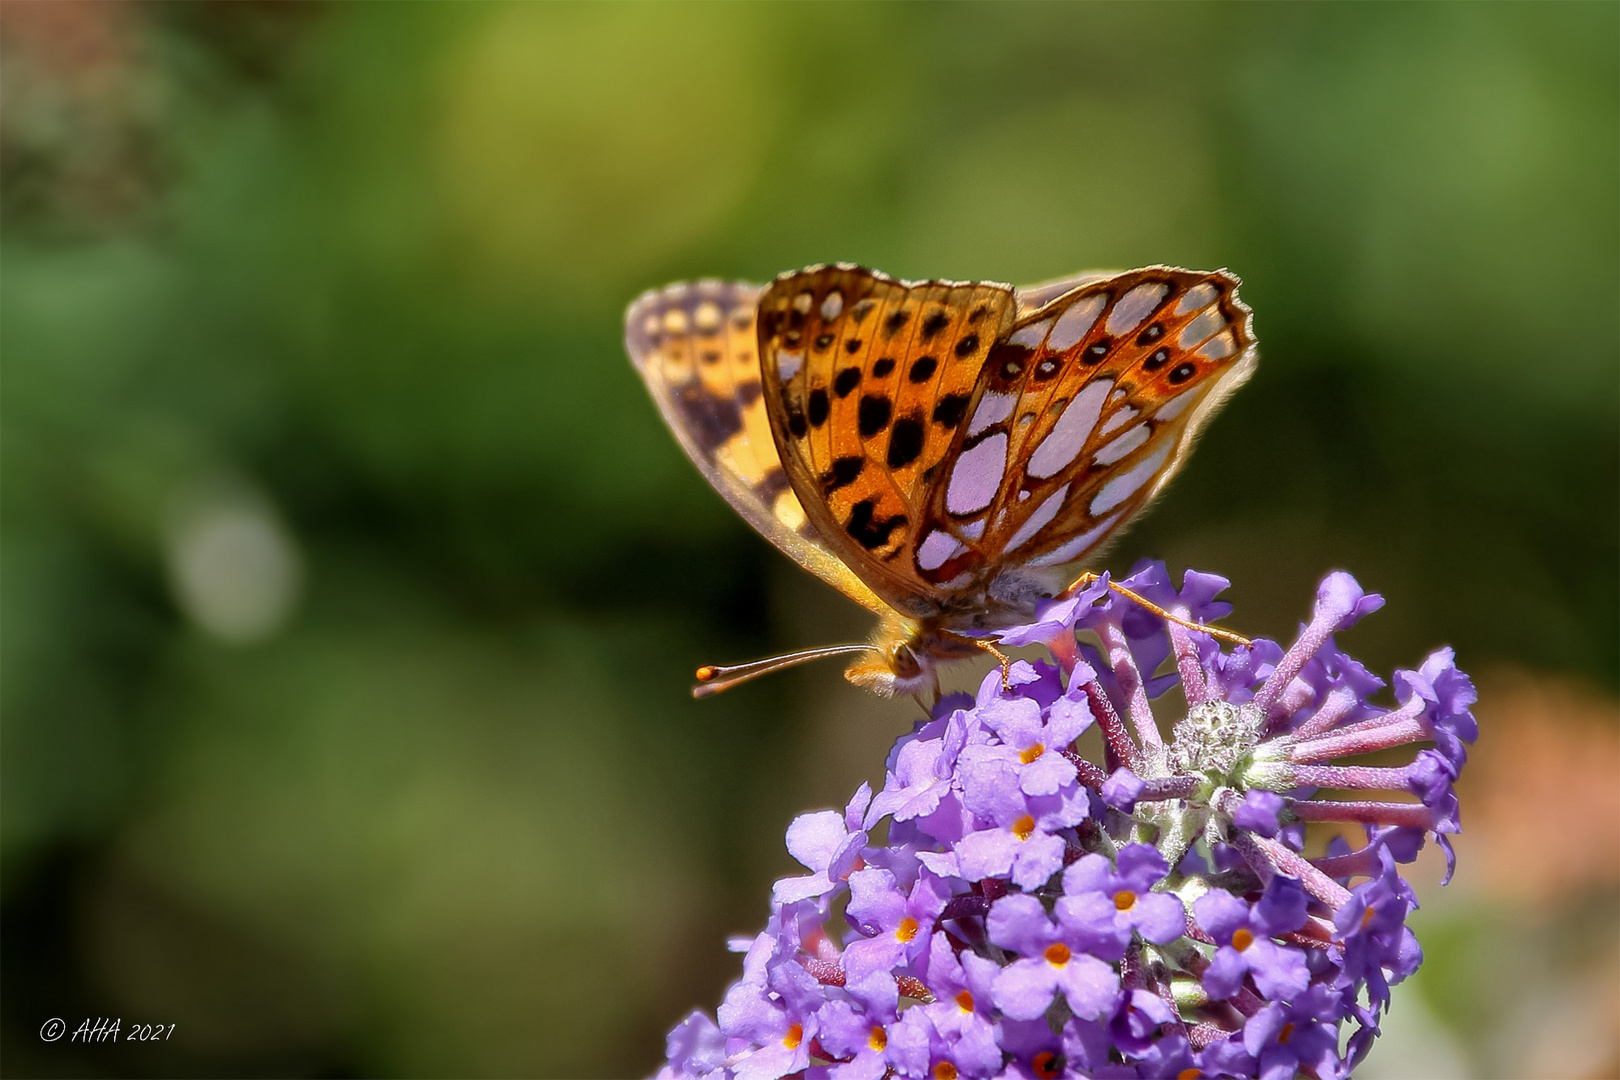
[695, 346]
[867, 381]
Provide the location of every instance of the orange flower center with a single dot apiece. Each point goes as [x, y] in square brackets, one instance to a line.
[1023, 827]
[964, 1001]
[1242, 939]
[795, 1036]
[1045, 1064]
[907, 929]
[1285, 1034]
[1057, 954]
[944, 1071]
[1189, 1074]
[1032, 753]
[879, 1039]
[1124, 900]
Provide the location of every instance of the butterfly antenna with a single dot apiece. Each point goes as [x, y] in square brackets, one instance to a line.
[713, 678]
[1089, 578]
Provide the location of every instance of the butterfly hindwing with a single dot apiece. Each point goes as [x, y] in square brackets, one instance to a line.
[867, 381]
[1083, 413]
[695, 345]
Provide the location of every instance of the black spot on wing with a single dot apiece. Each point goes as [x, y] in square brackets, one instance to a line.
[843, 473]
[846, 381]
[798, 427]
[905, 441]
[873, 415]
[818, 407]
[711, 419]
[772, 485]
[922, 368]
[950, 409]
[882, 368]
[867, 532]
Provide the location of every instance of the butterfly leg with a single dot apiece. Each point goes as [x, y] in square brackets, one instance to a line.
[1003, 658]
[1089, 578]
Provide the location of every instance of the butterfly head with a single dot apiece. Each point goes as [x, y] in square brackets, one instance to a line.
[904, 657]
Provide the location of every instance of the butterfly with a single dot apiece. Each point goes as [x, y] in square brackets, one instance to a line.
[939, 451]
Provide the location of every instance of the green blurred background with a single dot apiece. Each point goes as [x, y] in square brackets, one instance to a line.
[352, 586]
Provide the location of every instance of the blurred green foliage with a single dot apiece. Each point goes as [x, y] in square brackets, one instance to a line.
[352, 586]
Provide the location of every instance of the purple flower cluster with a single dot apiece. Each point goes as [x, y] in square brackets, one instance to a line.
[1031, 913]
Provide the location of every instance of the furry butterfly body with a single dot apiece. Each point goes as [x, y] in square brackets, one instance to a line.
[940, 451]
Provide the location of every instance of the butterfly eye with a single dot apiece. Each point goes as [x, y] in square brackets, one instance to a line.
[905, 662]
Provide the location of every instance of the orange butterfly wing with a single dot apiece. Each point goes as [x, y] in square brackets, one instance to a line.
[867, 381]
[938, 434]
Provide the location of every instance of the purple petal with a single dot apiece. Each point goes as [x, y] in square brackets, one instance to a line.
[1024, 988]
[1279, 972]
[1019, 923]
[1090, 922]
[1159, 917]
[1220, 914]
[1282, 908]
[875, 902]
[1259, 811]
[986, 853]
[1016, 719]
[1091, 873]
[1339, 598]
[1122, 789]
[1035, 860]
[1090, 986]
[1225, 973]
[1047, 774]
[1141, 867]
[1068, 717]
[855, 809]
[814, 838]
[696, 1046]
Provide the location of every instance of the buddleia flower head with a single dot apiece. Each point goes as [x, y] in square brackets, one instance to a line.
[1033, 912]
